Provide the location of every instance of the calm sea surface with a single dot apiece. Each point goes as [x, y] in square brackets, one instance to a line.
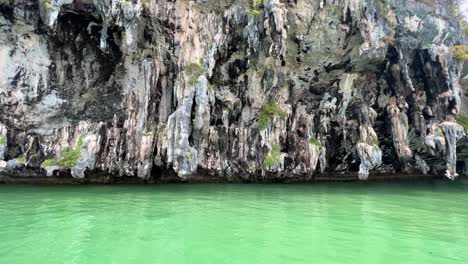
[214, 223]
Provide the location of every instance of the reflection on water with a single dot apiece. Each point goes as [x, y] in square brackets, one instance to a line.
[326, 223]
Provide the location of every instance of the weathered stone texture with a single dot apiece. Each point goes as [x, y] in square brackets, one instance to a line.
[205, 87]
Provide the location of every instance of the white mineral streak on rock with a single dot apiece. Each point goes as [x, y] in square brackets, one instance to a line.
[412, 23]
[50, 170]
[371, 157]
[441, 26]
[25, 62]
[453, 132]
[440, 54]
[346, 90]
[435, 142]
[372, 32]
[124, 13]
[399, 124]
[278, 12]
[140, 130]
[323, 159]
[180, 126]
[13, 164]
[252, 34]
[314, 152]
[422, 165]
[3, 141]
[404, 70]
[88, 151]
[50, 9]
[369, 152]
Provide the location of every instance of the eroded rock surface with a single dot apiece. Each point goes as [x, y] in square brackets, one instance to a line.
[299, 88]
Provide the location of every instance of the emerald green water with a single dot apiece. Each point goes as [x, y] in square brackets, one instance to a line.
[325, 223]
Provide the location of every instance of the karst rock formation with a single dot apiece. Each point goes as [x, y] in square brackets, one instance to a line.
[235, 90]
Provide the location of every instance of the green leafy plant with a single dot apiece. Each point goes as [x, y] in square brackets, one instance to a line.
[464, 26]
[272, 108]
[316, 142]
[460, 52]
[380, 6]
[273, 158]
[3, 140]
[267, 112]
[263, 122]
[48, 4]
[193, 71]
[79, 142]
[463, 121]
[68, 156]
[439, 133]
[254, 7]
[20, 159]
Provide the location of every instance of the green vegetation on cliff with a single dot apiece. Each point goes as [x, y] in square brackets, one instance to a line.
[267, 112]
[20, 159]
[315, 142]
[48, 4]
[193, 71]
[68, 157]
[439, 133]
[454, 9]
[254, 7]
[463, 121]
[460, 52]
[273, 158]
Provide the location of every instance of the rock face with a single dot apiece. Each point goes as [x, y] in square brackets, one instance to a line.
[229, 89]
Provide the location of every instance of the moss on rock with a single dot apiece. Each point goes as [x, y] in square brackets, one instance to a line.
[267, 112]
[68, 156]
[273, 158]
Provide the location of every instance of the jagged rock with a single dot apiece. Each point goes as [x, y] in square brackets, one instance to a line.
[367, 147]
[422, 165]
[371, 157]
[3, 141]
[209, 88]
[453, 133]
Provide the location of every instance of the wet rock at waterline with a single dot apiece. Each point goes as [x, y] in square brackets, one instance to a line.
[256, 90]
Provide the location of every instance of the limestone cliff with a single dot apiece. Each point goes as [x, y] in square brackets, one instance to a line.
[229, 89]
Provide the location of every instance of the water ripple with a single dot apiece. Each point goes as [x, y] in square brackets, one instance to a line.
[336, 223]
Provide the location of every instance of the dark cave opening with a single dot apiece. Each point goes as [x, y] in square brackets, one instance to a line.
[82, 73]
[7, 12]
